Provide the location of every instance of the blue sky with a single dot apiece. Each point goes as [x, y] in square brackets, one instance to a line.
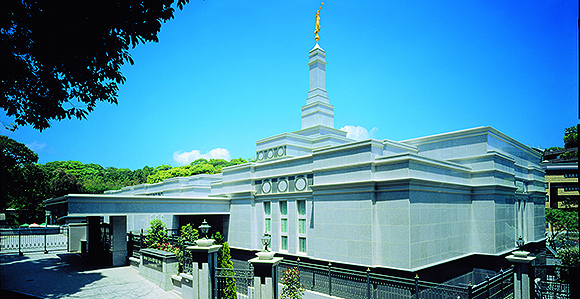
[227, 73]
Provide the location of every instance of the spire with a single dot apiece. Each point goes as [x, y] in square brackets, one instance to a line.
[317, 110]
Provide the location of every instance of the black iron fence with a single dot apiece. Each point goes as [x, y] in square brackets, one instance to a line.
[347, 283]
[556, 282]
[25, 240]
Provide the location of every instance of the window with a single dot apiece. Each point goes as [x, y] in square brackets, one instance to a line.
[284, 225]
[301, 206]
[302, 226]
[302, 244]
[283, 208]
[268, 219]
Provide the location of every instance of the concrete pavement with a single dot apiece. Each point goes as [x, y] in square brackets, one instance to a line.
[72, 275]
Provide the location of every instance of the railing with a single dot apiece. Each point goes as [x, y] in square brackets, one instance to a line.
[499, 286]
[346, 283]
[21, 240]
[231, 282]
[555, 282]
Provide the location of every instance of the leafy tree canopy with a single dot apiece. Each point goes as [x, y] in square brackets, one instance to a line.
[60, 58]
[198, 166]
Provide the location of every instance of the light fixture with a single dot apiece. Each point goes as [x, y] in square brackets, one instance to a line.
[520, 242]
[266, 239]
[204, 227]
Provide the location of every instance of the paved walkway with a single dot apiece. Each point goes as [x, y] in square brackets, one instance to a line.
[72, 275]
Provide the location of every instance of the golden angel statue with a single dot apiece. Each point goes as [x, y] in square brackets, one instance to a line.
[317, 28]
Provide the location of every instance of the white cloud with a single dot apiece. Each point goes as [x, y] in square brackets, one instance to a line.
[184, 158]
[358, 132]
[36, 146]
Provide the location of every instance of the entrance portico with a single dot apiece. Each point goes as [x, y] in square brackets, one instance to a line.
[126, 213]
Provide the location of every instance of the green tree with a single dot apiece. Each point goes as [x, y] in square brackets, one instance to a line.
[562, 222]
[291, 281]
[60, 58]
[24, 184]
[189, 233]
[64, 183]
[224, 261]
[156, 234]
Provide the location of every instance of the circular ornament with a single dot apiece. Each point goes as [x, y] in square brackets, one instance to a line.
[282, 185]
[266, 187]
[300, 184]
[280, 151]
[270, 154]
[261, 156]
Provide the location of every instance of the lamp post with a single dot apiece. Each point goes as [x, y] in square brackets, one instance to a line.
[520, 243]
[204, 228]
[266, 240]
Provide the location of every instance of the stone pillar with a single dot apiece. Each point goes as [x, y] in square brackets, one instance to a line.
[204, 263]
[118, 240]
[523, 275]
[265, 276]
[158, 266]
[94, 237]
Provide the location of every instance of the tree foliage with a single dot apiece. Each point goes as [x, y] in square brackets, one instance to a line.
[60, 58]
[24, 184]
[291, 281]
[199, 166]
[156, 234]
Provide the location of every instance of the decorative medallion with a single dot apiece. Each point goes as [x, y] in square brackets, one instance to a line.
[270, 154]
[280, 152]
[260, 156]
[300, 184]
[282, 185]
[266, 187]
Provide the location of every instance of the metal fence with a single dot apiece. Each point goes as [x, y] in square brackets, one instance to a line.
[25, 240]
[346, 283]
[555, 282]
[230, 281]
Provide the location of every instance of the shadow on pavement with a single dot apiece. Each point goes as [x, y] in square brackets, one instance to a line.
[46, 276]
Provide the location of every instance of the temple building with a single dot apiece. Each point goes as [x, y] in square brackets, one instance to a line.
[405, 205]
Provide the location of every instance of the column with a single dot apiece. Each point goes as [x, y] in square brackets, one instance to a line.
[204, 263]
[523, 275]
[118, 240]
[94, 237]
[265, 277]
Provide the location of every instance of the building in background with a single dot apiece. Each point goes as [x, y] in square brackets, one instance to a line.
[561, 179]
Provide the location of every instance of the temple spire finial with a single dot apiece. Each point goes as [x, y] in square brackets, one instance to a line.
[317, 28]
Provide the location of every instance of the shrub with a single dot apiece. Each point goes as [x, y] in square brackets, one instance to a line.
[292, 288]
[189, 233]
[156, 234]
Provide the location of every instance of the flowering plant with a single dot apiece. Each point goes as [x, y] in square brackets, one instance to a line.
[292, 288]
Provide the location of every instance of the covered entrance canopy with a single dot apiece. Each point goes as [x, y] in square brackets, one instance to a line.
[131, 212]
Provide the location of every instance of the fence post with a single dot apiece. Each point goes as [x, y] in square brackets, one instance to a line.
[416, 286]
[141, 240]
[501, 283]
[298, 268]
[487, 285]
[45, 251]
[329, 280]
[368, 283]
[19, 243]
[469, 291]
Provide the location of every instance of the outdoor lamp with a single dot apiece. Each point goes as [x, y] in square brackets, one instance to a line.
[520, 242]
[204, 227]
[266, 239]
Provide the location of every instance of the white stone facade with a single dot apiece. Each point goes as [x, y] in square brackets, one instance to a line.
[407, 204]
